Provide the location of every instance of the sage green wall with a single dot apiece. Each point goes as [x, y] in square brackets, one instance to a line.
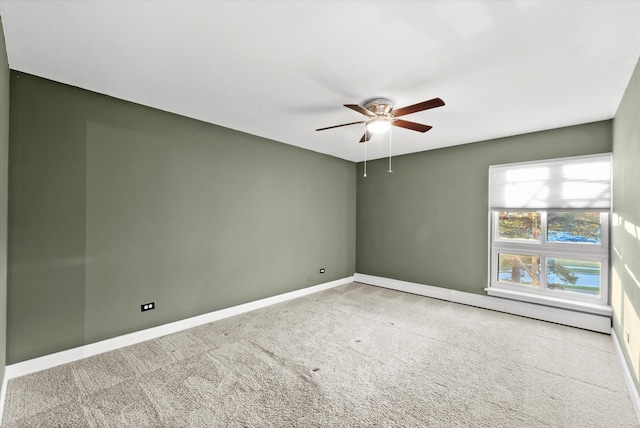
[427, 221]
[113, 204]
[625, 234]
[4, 147]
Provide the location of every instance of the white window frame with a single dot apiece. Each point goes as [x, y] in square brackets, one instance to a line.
[577, 183]
[544, 249]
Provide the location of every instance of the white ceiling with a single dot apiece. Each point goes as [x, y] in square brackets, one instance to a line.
[281, 69]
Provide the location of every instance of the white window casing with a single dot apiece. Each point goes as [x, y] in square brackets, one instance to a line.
[581, 183]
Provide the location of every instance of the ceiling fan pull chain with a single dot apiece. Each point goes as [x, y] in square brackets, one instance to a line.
[390, 170]
[365, 150]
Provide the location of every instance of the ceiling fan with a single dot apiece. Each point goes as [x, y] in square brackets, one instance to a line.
[381, 115]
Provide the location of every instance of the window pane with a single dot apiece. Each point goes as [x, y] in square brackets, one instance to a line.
[573, 275]
[581, 227]
[519, 225]
[519, 269]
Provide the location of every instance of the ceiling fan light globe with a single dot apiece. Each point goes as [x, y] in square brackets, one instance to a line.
[378, 126]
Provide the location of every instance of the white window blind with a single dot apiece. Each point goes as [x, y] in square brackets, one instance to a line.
[573, 183]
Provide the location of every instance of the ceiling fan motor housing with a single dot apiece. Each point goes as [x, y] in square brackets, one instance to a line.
[380, 106]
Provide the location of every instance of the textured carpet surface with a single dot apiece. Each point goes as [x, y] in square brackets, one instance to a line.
[352, 356]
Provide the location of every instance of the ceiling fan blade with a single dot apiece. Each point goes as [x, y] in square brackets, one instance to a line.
[425, 105]
[338, 126]
[360, 110]
[365, 137]
[411, 125]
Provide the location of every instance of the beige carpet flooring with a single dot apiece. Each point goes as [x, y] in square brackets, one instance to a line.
[352, 356]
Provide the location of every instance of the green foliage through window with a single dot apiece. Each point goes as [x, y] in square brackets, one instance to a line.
[519, 225]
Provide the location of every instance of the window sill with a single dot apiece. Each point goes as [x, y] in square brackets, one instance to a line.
[591, 308]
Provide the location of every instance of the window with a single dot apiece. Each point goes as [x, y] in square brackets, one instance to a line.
[559, 254]
[550, 231]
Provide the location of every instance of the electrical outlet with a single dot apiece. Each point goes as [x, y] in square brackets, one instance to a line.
[147, 306]
[321, 270]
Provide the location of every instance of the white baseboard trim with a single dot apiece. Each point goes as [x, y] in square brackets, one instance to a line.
[626, 373]
[3, 395]
[63, 357]
[583, 320]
